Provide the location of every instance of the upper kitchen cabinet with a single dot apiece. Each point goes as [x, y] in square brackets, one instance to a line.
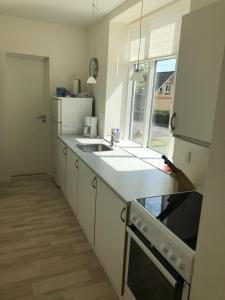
[199, 73]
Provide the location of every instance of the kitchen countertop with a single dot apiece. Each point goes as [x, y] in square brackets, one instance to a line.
[127, 175]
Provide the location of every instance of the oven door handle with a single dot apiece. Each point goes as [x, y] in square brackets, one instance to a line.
[168, 276]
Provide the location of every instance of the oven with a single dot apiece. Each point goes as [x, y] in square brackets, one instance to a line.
[149, 276]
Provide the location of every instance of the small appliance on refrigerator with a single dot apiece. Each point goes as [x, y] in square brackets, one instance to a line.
[68, 115]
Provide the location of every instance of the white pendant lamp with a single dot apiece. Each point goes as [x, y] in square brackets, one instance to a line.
[93, 64]
[91, 80]
[137, 73]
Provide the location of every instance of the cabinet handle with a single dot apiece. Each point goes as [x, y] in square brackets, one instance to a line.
[172, 125]
[122, 217]
[94, 183]
[76, 163]
[64, 151]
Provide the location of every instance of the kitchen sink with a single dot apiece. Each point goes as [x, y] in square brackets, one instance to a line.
[94, 147]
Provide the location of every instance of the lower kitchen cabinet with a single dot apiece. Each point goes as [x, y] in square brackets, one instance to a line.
[61, 165]
[87, 183]
[100, 212]
[110, 229]
[72, 172]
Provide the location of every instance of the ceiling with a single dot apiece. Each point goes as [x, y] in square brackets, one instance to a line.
[72, 12]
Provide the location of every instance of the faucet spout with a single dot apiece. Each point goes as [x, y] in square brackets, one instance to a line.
[112, 141]
[113, 137]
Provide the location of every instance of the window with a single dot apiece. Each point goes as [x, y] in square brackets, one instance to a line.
[138, 104]
[151, 100]
[168, 88]
[160, 137]
[152, 105]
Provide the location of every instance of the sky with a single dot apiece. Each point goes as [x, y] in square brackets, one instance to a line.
[166, 65]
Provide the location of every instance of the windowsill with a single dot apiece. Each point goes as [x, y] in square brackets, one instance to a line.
[149, 156]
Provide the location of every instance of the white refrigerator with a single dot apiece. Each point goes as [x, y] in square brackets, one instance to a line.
[67, 118]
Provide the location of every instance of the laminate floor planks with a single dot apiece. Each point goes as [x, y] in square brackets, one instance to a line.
[44, 254]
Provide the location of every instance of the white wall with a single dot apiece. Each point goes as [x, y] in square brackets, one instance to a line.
[117, 77]
[209, 271]
[66, 48]
[109, 43]
[98, 47]
[196, 4]
[99, 40]
[196, 168]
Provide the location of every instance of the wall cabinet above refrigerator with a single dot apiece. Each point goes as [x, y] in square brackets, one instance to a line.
[199, 73]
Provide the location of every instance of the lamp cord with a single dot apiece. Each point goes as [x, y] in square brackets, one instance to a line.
[139, 50]
[95, 7]
[93, 17]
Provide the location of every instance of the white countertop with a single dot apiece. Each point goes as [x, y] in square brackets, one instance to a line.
[127, 175]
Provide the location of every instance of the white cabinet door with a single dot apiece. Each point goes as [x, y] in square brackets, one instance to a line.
[86, 200]
[61, 165]
[110, 228]
[72, 164]
[198, 72]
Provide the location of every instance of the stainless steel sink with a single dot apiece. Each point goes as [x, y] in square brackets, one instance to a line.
[94, 147]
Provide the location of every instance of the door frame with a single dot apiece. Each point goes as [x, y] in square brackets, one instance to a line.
[46, 60]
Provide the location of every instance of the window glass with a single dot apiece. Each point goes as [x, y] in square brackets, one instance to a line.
[160, 137]
[139, 93]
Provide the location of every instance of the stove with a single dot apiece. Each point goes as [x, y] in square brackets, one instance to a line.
[179, 212]
[170, 224]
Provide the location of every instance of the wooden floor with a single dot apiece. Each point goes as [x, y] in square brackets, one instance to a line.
[43, 252]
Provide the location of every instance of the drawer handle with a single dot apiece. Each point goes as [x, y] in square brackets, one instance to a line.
[172, 125]
[76, 164]
[94, 183]
[64, 151]
[122, 217]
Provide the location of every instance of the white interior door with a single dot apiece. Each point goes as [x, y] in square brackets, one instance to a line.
[27, 109]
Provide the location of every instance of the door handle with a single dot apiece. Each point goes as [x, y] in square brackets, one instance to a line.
[94, 183]
[172, 125]
[76, 163]
[122, 217]
[42, 118]
[64, 151]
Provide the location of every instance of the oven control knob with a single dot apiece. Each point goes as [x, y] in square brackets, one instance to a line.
[139, 222]
[172, 256]
[180, 264]
[144, 228]
[134, 218]
[164, 248]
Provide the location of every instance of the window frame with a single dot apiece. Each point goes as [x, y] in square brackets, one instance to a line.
[148, 114]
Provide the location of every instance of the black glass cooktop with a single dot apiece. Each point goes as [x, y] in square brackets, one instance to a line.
[179, 212]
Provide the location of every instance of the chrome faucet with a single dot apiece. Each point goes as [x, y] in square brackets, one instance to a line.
[114, 136]
[112, 141]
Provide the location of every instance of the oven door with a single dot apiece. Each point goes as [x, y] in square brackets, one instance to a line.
[149, 276]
